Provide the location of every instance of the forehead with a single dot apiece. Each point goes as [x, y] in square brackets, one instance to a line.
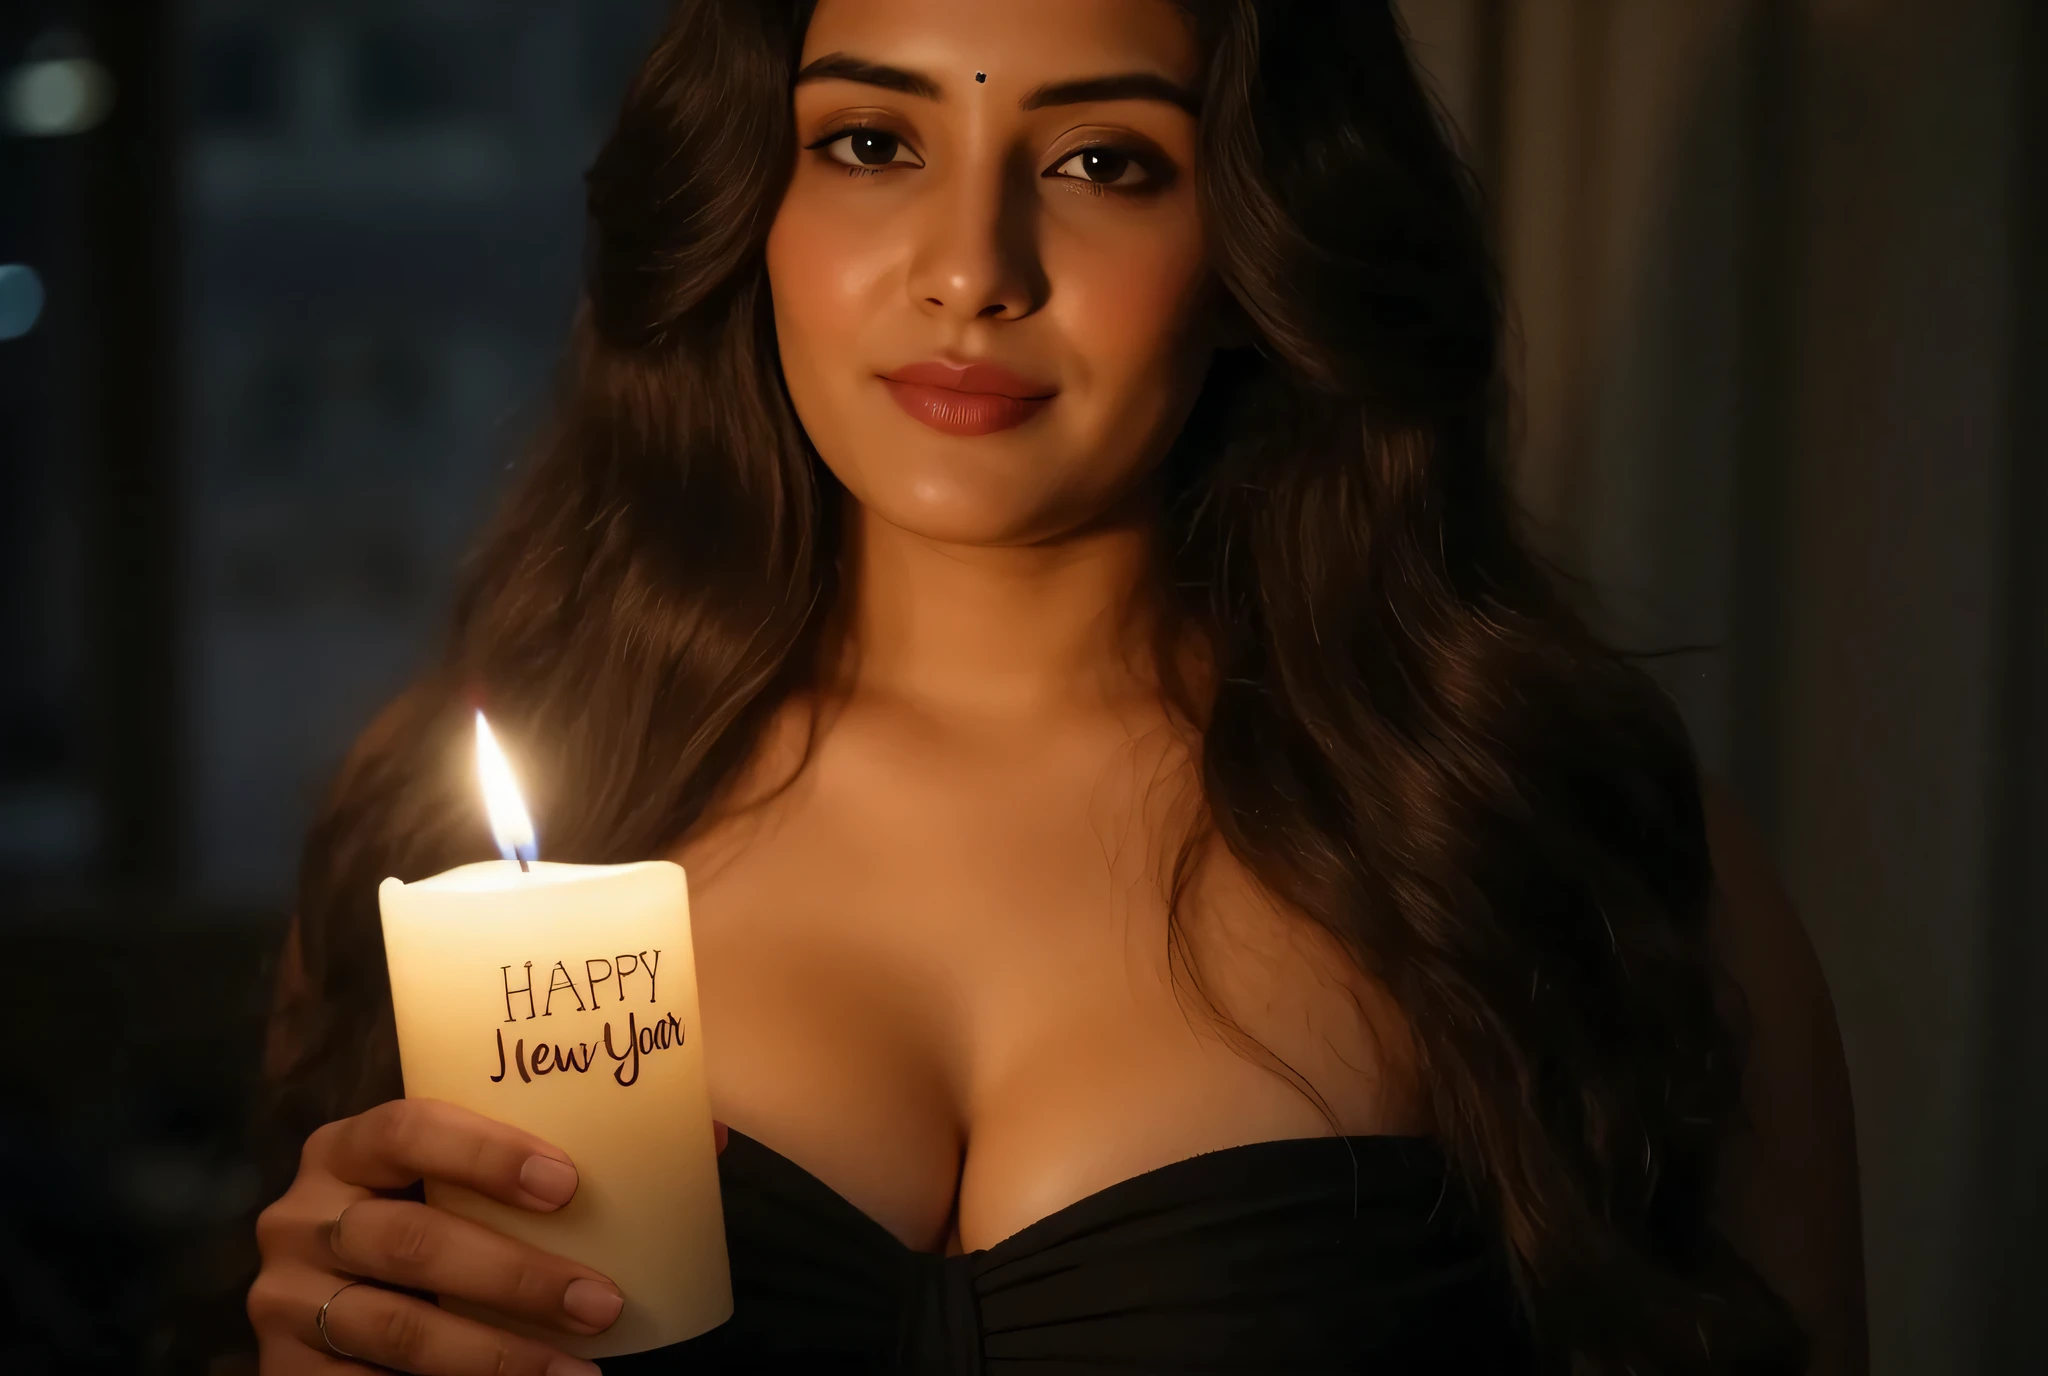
[1016, 42]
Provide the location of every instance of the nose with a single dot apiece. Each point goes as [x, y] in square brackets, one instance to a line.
[977, 256]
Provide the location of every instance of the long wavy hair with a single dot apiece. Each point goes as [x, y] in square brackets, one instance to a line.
[1410, 737]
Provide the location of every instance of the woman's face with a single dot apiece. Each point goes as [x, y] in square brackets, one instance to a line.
[991, 288]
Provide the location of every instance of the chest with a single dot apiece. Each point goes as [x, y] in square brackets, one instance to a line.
[939, 974]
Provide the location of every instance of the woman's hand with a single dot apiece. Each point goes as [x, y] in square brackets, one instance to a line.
[333, 1239]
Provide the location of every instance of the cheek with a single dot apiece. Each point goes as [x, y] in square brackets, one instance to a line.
[824, 274]
[1131, 312]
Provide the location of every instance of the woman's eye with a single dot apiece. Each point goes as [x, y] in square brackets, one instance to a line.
[1103, 167]
[869, 148]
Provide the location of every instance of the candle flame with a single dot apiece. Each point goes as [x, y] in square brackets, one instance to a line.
[510, 825]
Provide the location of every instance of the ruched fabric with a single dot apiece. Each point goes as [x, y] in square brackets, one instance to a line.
[1307, 1255]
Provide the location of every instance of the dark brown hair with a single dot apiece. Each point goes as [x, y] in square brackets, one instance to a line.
[1412, 738]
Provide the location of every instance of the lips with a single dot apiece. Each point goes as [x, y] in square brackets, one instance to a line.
[967, 399]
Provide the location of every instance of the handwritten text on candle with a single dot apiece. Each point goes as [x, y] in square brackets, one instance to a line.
[549, 1058]
[560, 980]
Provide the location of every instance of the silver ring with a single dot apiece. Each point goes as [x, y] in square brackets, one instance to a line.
[320, 1322]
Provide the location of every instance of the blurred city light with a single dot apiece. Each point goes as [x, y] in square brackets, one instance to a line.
[57, 96]
[21, 299]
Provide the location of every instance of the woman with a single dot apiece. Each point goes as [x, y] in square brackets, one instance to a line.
[1174, 886]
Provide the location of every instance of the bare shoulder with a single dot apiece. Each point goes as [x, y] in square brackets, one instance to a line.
[1789, 1194]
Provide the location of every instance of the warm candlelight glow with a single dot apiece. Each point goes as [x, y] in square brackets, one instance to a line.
[510, 825]
[562, 999]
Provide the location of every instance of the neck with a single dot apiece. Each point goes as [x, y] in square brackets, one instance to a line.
[986, 630]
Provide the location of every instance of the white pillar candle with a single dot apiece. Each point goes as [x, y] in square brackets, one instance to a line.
[562, 999]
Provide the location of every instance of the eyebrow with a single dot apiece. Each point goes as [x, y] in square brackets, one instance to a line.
[847, 67]
[1086, 90]
[1121, 86]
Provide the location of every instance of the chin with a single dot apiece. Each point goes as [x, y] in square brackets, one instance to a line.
[944, 509]
[1017, 487]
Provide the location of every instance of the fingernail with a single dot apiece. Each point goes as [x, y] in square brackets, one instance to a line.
[592, 1302]
[569, 1366]
[546, 1178]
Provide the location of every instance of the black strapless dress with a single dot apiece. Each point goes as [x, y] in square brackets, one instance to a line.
[1321, 1254]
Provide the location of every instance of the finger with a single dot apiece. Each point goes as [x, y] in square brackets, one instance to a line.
[382, 1328]
[296, 1359]
[276, 1307]
[297, 1223]
[396, 1143]
[408, 1244]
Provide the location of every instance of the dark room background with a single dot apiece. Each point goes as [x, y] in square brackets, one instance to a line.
[281, 286]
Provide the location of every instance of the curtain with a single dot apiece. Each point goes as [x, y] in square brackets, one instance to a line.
[1777, 270]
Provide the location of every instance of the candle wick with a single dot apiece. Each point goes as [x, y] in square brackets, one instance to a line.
[524, 868]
